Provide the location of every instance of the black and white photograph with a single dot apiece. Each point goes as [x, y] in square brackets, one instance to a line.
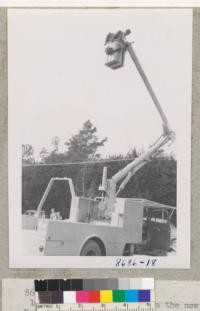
[99, 137]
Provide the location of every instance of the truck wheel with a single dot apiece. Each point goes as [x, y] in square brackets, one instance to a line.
[129, 250]
[91, 248]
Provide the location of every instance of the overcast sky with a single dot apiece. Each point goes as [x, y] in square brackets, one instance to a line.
[58, 80]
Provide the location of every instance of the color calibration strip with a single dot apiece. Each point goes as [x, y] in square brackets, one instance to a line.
[94, 291]
[95, 296]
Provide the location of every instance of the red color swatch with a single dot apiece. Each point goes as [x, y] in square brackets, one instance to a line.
[94, 296]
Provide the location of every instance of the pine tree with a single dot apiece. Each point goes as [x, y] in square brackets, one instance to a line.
[83, 146]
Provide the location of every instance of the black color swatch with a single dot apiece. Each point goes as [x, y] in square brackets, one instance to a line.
[40, 285]
[65, 285]
[53, 284]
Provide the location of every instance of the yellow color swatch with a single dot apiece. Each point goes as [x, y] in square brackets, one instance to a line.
[106, 296]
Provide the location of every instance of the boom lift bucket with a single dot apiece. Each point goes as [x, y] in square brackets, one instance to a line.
[115, 50]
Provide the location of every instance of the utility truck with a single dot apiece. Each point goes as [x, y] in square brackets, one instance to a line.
[109, 225]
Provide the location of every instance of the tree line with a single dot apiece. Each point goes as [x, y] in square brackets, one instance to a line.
[81, 147]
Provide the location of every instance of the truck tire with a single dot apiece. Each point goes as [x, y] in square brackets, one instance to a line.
[129, 250]
[91, 248]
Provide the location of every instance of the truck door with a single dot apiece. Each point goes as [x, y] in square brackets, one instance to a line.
[158, 230]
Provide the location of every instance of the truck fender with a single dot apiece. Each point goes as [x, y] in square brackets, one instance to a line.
[97, 239]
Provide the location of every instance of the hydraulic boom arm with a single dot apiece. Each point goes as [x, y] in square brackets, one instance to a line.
[116, 46]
